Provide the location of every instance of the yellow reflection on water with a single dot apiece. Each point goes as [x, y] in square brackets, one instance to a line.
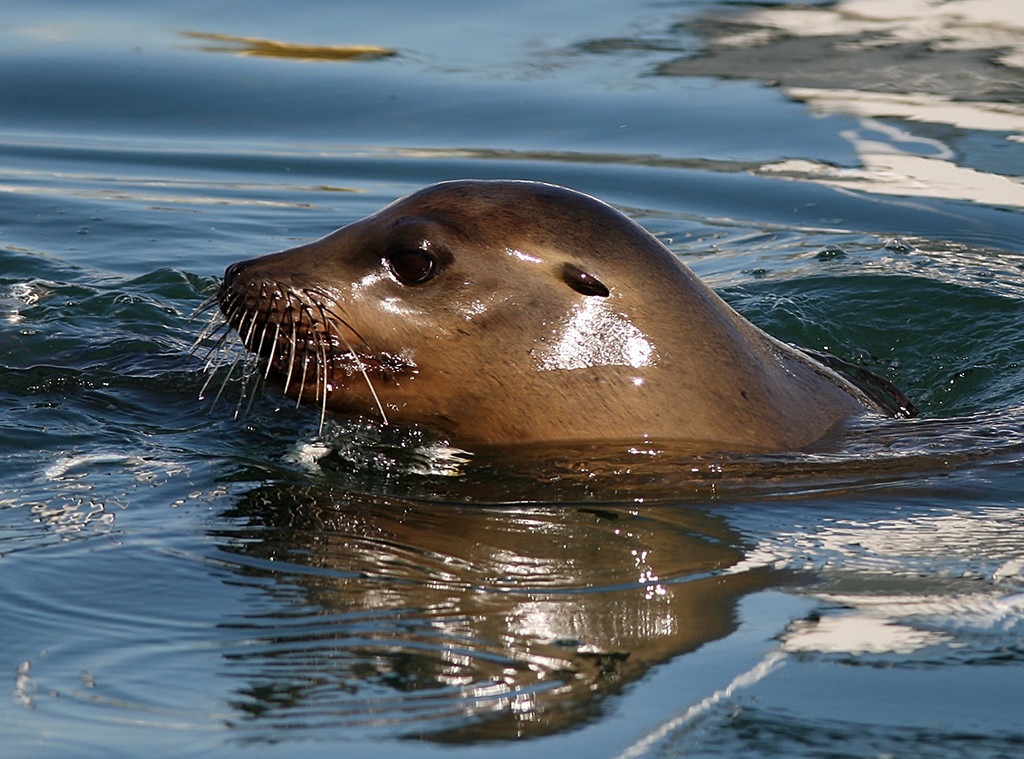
[254, 46]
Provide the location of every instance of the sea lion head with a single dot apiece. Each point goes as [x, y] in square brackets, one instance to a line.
[502, 311]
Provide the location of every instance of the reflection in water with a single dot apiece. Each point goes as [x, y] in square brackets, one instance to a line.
[476, 622]
[953, 66]
[263, 48]
[887, 169]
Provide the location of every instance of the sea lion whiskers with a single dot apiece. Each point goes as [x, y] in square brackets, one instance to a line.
[299, 334]
[274, 345]
[255, 313]
[312, 345]
[213, 351]
[246, 362]
[232, 321]
[292, 358]
[314, 348]
[214, 361]
[322, 379]
[241, 357]
[302, 381]
[223, 349]
[208, 302]
[216, 353]
[238, 325]
[215, 322]
[360, 365]
[263, 339]
[250, 382]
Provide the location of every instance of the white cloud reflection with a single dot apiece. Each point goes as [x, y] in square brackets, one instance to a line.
[899, 584]
[890, 163]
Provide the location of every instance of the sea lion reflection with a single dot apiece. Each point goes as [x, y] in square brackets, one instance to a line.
[477, 623]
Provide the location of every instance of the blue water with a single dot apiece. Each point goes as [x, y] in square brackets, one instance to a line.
[179, 579]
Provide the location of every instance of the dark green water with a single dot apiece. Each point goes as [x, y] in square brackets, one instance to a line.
[176, 578]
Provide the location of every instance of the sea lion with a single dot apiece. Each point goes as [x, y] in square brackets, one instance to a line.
[516, 311]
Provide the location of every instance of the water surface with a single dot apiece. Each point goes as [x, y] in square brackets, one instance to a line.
[847, 175]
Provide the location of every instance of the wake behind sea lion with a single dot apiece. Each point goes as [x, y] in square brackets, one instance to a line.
[514, 311]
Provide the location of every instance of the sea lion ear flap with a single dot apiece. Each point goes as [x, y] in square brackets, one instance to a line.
[581, 282]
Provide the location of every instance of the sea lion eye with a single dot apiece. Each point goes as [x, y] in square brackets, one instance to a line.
[412, 266]
[582, 282]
